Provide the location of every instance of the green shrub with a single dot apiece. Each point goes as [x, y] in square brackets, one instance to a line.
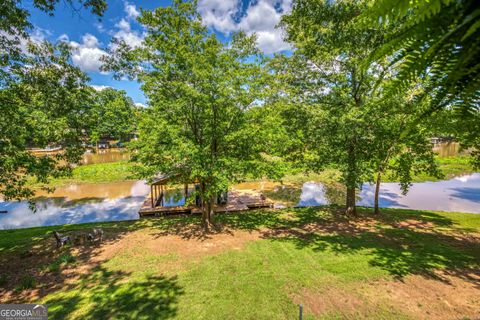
[26, 282]
[55, 266]
[66, 258]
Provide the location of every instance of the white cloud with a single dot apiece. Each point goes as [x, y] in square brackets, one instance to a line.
[131, 10]
[132, 37]
[90, 41]
[260, 17]
[219, 14]
[86, 55]
[99, 27]
[99, 87]
[39, 35]
[123, 25]
[138, 104]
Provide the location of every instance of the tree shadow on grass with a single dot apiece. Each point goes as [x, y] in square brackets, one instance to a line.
[115, 295]
[402, 244]
[33, 251]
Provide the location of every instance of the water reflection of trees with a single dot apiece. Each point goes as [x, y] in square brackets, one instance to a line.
[173, 197]
[334, 193]
[290, 195]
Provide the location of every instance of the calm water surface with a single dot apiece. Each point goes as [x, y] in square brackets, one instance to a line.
[81, 203]
[105, 155]
[460, 194]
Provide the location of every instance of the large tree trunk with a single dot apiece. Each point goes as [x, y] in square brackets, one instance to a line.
[206, 207]
[377, 192]
[206, 215]
[351, 207]
[351, 180]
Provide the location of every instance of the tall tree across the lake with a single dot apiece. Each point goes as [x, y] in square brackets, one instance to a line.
[112, 115]
[43, 99]
[345, 114]
[199, 89]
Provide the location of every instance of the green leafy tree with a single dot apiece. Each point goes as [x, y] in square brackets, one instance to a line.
[439, 38]
[347, 121]
[334, 48]
[395, 151]
[14, 27]
[113, 115]
[42, 100]
[197, 128]
[42, 105]
[291, 101]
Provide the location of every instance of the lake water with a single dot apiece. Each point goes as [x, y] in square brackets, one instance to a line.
[81, 203]
[105, 155]
[460, 194]
[78, 203]
[94, 156]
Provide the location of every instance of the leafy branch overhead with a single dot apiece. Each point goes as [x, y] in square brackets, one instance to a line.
[437, 39]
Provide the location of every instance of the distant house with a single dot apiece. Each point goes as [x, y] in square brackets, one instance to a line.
[103, 144]
[435, 140]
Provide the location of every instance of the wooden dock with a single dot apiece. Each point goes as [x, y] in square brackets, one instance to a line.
[238, 200]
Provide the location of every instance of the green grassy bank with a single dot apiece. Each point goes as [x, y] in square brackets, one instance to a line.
[98, 173]
[449, 167]
[122, 171]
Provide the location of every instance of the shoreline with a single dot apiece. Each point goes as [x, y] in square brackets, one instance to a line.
[141, 220]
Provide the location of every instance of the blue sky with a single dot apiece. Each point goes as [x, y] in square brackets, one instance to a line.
[90, 36]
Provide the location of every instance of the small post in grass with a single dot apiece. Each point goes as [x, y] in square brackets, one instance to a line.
[300, 312]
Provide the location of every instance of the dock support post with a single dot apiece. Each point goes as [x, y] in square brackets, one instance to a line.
[151, 195]
[161, 195]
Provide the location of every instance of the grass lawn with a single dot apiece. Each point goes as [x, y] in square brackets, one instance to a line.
[257, 265]
[450, 167]
[98, 173]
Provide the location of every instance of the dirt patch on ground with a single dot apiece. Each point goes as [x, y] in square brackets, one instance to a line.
[334, 302]
[425, 298]
[182, 247]
[414, 296]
